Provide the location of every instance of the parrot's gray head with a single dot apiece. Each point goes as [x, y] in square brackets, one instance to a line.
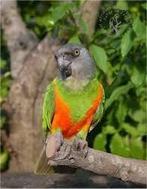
[74, 62]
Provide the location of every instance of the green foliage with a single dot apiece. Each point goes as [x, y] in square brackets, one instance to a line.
[118, 145]
[139, 28]
[5, 81]
[117, 93]
[75, 40]
[2, 64]
[126, 43]
[2, 121]
[100, 57]
[100, 142]
[4, 158]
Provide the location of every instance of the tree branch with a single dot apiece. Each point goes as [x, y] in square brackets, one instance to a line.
[103, 163]
[19, 39]
[89, 13]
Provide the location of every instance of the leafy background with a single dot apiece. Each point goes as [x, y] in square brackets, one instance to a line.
[118, 47]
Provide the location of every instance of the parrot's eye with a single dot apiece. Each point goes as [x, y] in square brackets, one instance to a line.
[76, 52]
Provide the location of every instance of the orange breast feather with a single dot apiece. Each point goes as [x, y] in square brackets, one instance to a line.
[62, 117]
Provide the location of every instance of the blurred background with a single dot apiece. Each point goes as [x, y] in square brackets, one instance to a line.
[114, 33]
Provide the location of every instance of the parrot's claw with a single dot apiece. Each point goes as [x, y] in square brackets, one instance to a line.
[66, 148]
[81, 146]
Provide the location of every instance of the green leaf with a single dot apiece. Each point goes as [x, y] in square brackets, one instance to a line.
[60, 11]
[5, 83]
[100, 142]
[109, 130]
[126, 43]
[74, 39]
[142, 129]
[2, 63]
[139, 28]
[122, 4]
[136, 148]
[137, 77]
[119, 145]
[100, 57]
[122, 90]
[138, 115]
[130, 129]
[82, 2]
[45, 21]
[4, 157]
[2, 121]
[144, 5]
[83, 26]
[121, 111]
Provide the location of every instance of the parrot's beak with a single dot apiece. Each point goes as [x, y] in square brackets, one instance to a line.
[64, 67]
[65, 72]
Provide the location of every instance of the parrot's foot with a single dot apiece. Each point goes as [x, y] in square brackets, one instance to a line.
[53, 144]
[63, 153]
[81, 146]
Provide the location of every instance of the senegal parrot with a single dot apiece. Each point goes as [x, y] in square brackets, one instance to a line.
[73, 103]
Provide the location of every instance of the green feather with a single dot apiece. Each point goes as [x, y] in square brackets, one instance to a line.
[97, 117]
[99, 112]
[79, 101]
[48, 107]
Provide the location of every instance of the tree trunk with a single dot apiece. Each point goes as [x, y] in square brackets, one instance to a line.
[25, 100]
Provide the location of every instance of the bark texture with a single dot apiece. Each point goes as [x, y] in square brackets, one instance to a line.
[128, 170]
[25, 102]
[90, 13]
[20, 40]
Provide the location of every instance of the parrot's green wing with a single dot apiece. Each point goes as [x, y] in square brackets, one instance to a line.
[98, 115]
[42, 167]
[48, 107]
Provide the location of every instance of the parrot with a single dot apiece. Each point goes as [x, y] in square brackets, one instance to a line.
[73, 103]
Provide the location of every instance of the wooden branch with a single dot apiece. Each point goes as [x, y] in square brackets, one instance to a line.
[90, 12]
[103, 163]
[19, 39]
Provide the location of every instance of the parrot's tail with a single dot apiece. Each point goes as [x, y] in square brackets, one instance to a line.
[42, 166]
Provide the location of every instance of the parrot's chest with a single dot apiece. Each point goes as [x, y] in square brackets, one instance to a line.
[73, 112]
